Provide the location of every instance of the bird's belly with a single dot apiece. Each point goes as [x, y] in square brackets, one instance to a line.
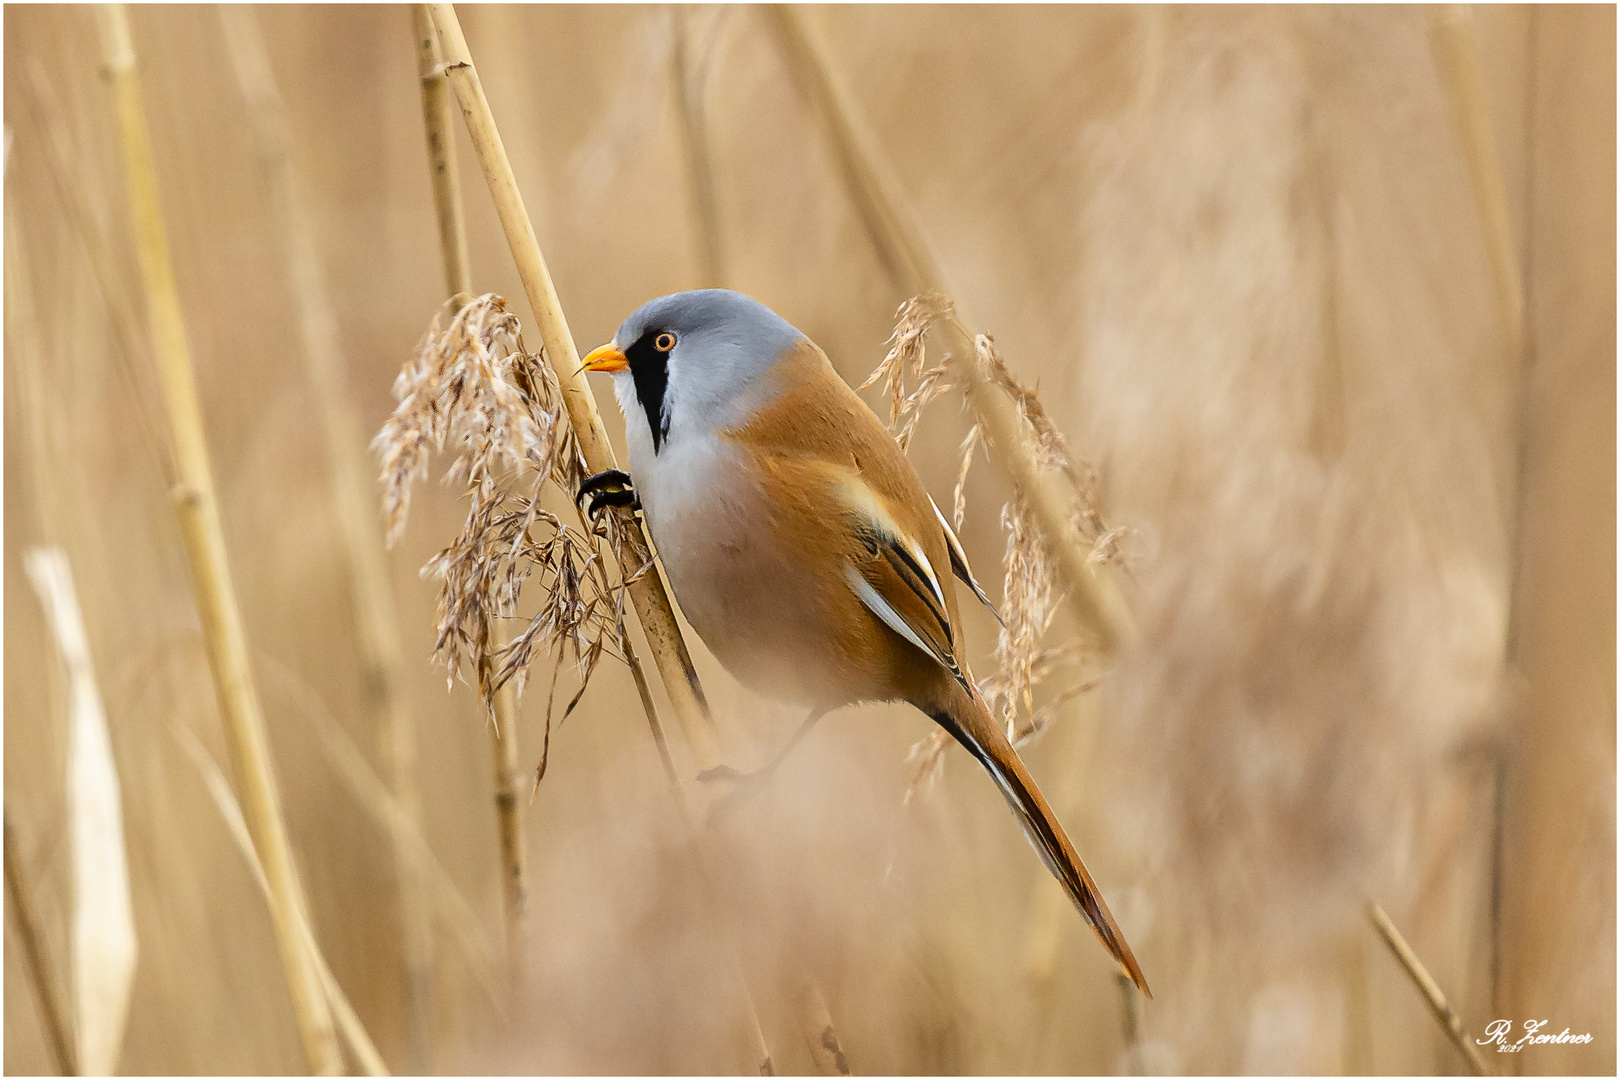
[755, 604]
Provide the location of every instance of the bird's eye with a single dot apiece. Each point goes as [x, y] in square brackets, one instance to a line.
[664, 342]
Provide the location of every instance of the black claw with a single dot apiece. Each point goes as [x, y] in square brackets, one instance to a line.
[610, 488]
[611, 478]
[622, 497]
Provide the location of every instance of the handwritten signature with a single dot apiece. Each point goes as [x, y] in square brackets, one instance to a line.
[1498, 1031]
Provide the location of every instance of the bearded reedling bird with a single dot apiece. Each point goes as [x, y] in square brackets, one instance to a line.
[799, 542]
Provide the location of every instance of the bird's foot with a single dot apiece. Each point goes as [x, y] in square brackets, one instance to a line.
[733, 776]
[610, 488]
[743, 784]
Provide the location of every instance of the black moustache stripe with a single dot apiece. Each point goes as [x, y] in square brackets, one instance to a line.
[650, 370]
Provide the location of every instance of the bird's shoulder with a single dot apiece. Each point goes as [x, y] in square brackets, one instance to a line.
[826, 448]
[814, 418]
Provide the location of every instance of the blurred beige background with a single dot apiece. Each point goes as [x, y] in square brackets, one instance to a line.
[1240, 253]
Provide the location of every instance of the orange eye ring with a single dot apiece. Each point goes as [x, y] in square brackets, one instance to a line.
[664, 342]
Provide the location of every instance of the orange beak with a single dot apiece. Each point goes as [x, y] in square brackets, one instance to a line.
[606, 358]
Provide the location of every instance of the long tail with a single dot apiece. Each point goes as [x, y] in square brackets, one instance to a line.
[973, 727]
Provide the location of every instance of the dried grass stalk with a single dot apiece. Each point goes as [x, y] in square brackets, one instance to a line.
[904, 253]
[348, 1021]
[67, 177]
[373, 796]
[473, 388]
[441, 155]
[446, 177]
[1453, 39]
[371, 592]
[1426, 986]
[688, 71]
[104, 946]
[52, 1009]
[198, 514]
[1457, 52]
[652, 603]
[819, 1033]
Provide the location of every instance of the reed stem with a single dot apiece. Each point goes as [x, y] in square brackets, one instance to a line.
[458, 281]
[1426, 986]
[40, 975]
[903, 251]
[24, 351]
[198, 515]
[1457, 52]
[67, 176]
[687, 76]
[441, 155]
[371, 593]
[652, 603]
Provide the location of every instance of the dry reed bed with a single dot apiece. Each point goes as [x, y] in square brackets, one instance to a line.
[1056, 190]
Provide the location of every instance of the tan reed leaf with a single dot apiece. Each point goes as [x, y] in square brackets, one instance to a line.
[104, 947]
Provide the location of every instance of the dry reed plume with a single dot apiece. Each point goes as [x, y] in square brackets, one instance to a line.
[1003, 410]
[1028, 606]
[472, 387]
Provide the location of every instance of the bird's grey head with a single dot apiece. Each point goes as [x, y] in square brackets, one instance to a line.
[692, 362]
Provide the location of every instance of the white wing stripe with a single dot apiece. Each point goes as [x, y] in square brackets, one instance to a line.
[882, 609]
[950, 534]
[928, 569]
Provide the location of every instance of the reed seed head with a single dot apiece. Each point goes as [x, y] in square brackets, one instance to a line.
[1029, 601]
[473, 388]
